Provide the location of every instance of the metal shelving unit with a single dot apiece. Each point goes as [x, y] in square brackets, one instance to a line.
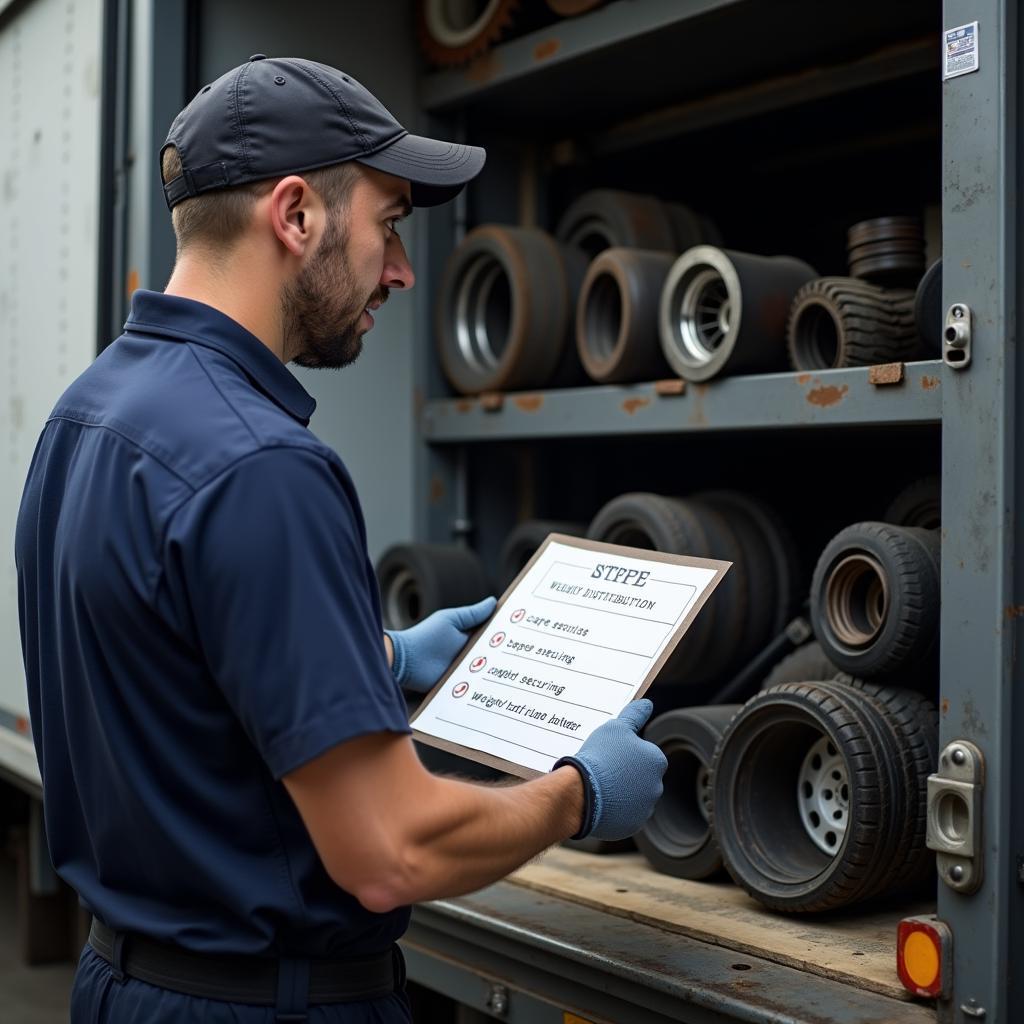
[636, 73]
[831, 398]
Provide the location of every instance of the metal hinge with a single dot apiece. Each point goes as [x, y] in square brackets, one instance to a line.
[954, 816]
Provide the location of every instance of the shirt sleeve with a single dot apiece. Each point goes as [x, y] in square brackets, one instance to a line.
[270, 564]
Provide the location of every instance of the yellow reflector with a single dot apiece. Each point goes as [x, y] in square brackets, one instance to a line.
[921, 959]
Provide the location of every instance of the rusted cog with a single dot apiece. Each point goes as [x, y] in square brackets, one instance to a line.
[453, 32]
[570, 8]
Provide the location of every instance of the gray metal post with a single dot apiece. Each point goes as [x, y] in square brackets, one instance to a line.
[983, 487]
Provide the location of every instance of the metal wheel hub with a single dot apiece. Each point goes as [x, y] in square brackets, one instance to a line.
[823, 796]
[483, 313]
[705, 315]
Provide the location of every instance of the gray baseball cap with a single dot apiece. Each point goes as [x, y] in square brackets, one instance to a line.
[274, 116]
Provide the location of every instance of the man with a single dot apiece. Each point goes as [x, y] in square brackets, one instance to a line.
[228, 776]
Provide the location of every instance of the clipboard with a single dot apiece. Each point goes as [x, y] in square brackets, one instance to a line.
[618, 596]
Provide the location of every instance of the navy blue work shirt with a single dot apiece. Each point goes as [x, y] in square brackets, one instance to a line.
[199, 617]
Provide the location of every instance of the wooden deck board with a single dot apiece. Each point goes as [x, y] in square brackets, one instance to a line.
[857, 948]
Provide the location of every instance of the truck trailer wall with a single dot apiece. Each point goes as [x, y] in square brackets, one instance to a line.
[365, 412]
[50, 54]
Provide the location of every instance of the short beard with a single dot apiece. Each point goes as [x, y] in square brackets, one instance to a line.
[320, 311]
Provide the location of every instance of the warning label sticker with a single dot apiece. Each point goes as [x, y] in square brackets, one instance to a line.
[961, 51]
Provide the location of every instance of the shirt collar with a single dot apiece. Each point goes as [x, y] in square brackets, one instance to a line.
[172, 316]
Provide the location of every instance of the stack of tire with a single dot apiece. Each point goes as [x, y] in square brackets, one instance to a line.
[873, 315]
[509, 300]
[813, 794]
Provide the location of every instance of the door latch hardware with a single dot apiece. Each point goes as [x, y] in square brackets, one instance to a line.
[954, 816]
[956, 337]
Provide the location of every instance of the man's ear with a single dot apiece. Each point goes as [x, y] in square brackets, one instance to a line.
[296, 214]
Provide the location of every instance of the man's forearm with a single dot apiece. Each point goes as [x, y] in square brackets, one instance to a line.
[473, 835]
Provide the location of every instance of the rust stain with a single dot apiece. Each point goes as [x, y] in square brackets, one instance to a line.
[21, 725]
[547, 49]
[945, 705]
[529, 403]
[804, 378]
[483, 69]
[632, 404]
[1014, 611]
[698, 418]
[436, 490]
[464, 405]
[929, 383]
[827, 395]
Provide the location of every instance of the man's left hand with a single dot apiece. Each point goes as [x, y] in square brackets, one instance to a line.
[424, 651]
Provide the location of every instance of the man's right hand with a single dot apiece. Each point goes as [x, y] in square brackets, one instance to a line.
[621, 775]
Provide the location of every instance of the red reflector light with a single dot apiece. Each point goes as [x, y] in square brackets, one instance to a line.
[923, 949]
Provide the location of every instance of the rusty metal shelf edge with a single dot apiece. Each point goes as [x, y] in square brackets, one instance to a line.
[830, 398]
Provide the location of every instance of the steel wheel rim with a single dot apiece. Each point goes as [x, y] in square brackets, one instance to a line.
[705, 316]
[823, 796]
[857, 600]
[483, 315]
[455, 23]
[403, 599]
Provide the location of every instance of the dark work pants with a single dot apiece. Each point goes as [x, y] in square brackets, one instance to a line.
[98, 998]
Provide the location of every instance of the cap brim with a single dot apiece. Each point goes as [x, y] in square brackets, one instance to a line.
[438, 171]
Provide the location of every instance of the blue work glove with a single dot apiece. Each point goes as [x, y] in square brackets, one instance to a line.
[621, 773]
[423, 652]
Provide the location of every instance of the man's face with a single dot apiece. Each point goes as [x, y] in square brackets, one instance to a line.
[360, 257]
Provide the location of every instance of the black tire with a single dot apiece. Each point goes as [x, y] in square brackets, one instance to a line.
[656, 523]
[807, 664]
[760, 530]
[919, 504]
[688, 228]
[840, 321]
[617, 316]
[875, 598]
[917, 719]
[730, 603]
[756, 812]
[888, 251]
[417, 579]
[604, 217]
[503, 311]
[928, 310]
[677, 838]
[523, 541]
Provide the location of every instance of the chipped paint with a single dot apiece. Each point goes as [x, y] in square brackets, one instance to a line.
[972, 725]
[929, 383]
[529, 403]
[547, 49]
[827, 395]
[631, 405]
[804, 378]
[698, 417]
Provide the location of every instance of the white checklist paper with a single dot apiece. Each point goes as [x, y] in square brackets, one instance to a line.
[582, 632]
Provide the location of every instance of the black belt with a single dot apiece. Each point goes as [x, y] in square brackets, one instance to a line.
[289, 984]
